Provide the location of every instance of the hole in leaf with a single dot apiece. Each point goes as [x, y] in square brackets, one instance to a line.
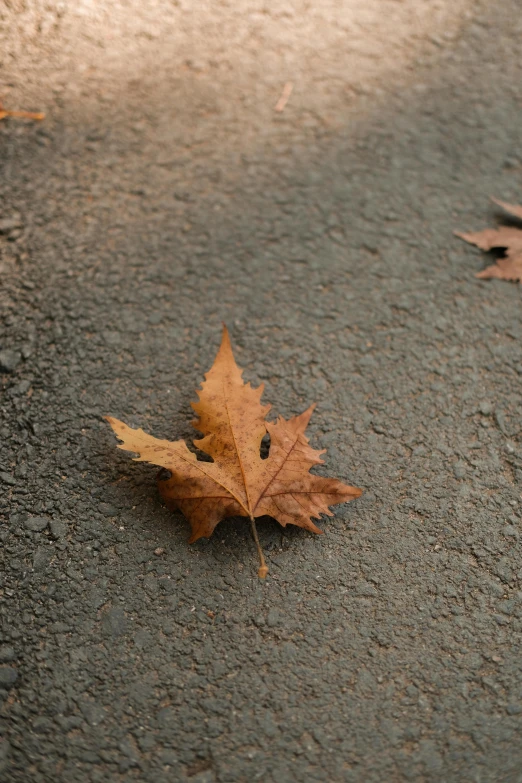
[265, 446]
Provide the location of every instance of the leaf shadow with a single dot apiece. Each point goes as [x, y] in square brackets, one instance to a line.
[506, 219]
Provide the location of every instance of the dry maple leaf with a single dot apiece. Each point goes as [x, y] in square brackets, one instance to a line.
[239, 482]
[508, 237]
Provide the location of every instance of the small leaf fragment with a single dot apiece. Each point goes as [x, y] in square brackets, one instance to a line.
[508, 237]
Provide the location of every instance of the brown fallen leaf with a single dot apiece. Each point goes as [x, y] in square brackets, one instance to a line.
[239, 482]
[508, 237]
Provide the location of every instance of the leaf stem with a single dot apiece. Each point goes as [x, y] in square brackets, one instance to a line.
[263, 568]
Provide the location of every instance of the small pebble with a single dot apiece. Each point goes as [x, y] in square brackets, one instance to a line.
[459, 470]
[273, 618]
[9, 360]
[36, 524]
[9, 224]
[58, 528]
[8, 676]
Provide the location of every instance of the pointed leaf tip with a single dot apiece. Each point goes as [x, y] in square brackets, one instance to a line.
[225, 337]
[305, 416]
[225, 352]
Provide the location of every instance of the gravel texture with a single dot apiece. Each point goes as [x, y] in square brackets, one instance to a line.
[163, 195]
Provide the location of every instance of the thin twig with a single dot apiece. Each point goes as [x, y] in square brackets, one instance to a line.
[263, 569]
[26, 115]
[285, 95]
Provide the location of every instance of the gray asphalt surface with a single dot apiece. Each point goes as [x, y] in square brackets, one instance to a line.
[163, 195]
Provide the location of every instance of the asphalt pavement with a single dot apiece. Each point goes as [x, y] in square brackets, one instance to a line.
[163, 195]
